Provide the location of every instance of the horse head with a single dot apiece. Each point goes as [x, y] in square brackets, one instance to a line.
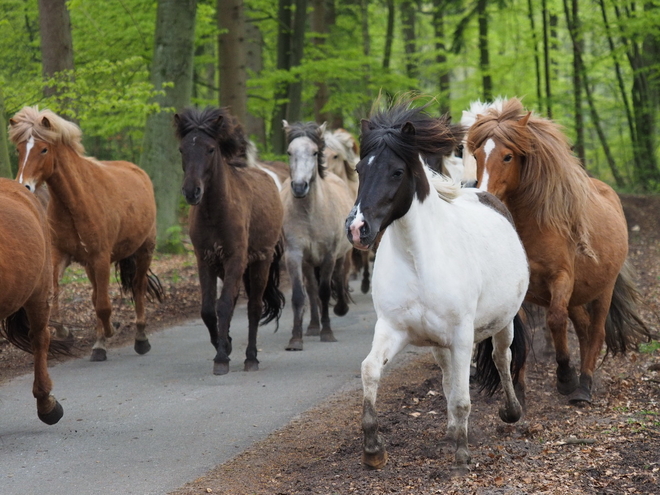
[39, 137]
[341, 154]
[500, 146]
[306, 155]
[396, 146]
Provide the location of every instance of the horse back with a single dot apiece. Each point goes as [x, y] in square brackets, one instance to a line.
[24, 248]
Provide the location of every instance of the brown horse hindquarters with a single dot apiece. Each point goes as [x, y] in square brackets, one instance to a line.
[25, 275]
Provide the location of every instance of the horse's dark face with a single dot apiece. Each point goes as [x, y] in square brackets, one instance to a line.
[35, 163]
[199, 156]
[386, 191]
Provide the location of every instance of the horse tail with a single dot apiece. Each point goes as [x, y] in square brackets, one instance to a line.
[487, 375]
[127, 269]
[273, 299]
[16, 329]
[624, 328]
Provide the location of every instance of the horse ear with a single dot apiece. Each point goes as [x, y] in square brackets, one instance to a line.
[365, 126]
[12, 122]
[408, 129]
[286, 126]
[46, 123]
[523, 122]
[177, 119]
[322, 127]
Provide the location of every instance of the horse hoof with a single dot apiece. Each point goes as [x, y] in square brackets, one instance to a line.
[341, 309]
[295, 345]
[220, 368]
[53, 416]
[251, 365]
[510, 414]
[365, 286]
[566, 385]
[98, 355]
[142, 346]
[327, 336]
[580, 397]
[374, 461]
[312, 331]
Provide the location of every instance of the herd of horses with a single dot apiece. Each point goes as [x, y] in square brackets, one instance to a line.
[458, 244]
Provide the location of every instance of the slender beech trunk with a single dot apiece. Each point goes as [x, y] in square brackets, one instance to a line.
[283, 64]
[484, 54]
[572, 21]
[294, 109]
[56, 40]
[320, 28]
[5, 164]
[441, 55]
[232, 53]
[256, 127]
[409, 39]
[389, 35]
[537, 61]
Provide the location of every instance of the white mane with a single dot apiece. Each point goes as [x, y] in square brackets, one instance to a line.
[446, 187]
[478, 108]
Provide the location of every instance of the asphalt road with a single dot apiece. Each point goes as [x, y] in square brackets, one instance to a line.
[149, 424]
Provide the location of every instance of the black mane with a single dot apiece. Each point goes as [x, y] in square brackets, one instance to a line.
[221, 126]
[312, 131]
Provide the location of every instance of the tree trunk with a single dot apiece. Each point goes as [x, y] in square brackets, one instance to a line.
[232, 53]
[389, 35]
[255, 126]
[283, 64]
[537, 61]
[546, 59]
[294, 109]
[172, 63]
[484, 55]
[573, 23]
[319, 27]
[409, 40]
[441, 55]
[5, 164]
[56, 40]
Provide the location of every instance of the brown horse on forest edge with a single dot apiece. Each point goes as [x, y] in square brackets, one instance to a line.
[26, 281]
[235, 227]
[99, 213]
[574, 232]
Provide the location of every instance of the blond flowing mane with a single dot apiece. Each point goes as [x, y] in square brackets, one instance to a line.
[553, 184]
[29, 122]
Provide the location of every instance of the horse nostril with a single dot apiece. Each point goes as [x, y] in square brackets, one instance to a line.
[198, 192]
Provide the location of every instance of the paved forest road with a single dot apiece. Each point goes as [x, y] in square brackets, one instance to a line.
[148, 424]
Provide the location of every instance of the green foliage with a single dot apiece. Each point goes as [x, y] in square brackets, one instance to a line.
[650, 347]
[173, 242]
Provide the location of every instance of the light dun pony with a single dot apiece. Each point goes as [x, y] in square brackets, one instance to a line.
[100, 213]
[26, 283]
[315, 205]
[450, 270]
[341, 156]
[574, 232]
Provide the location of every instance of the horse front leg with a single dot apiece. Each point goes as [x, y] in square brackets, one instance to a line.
[224, 308]
[340, 280]
[258, 273]
[325, 292]
[366, 281]
[312, 288]
[442, 356]
[99, 275]
[512, 410]
[49, 409]
[294, 267]
[557, 320]
[387, 343]
[458, 402]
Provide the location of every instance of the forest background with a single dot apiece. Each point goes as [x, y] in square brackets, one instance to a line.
[121, 68]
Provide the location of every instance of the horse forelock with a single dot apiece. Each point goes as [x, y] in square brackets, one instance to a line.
[28, 122]
[553, 184]
[311, 131]
[219, 125]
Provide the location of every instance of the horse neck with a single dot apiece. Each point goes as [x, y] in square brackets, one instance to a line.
[219, 189]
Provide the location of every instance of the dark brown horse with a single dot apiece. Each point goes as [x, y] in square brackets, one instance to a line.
[235, 227]
[574, 232]
[26, 285]
[100, 213]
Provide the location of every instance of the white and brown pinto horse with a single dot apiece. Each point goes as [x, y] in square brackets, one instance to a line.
[316, 203]
[342, 154]
[450, 270]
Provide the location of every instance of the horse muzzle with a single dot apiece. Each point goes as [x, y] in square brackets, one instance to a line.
[193, 195]
[358, 231]
[300, 189]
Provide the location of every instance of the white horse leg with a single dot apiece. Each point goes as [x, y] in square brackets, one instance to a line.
[312, 286]
[294, 267]
[458, 402]
[511, 411]
[387, 343]
[443, 358]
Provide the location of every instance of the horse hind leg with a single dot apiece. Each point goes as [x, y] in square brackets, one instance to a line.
[139, 282]
[258, 274]
[458, 402]
[60, 263]
[442, 356]
[366, 280]
[387, 343]
[325, 293]
[340, 284]
[512, 410]
[312, 288]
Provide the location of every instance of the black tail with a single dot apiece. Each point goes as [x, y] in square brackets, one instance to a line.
[273, 299]
[624, 328]
[16, 329]
[127, 269]
[487, 375]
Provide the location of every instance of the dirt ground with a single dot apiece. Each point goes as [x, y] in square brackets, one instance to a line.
[610, 447]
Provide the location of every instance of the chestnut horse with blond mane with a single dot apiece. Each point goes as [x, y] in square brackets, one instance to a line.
[26, 279]
[574, 232]
[100, 212]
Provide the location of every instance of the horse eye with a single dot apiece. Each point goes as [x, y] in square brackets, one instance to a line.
[44, 151]
[508, 158]
[336, 157]
[210, 151]
[316, 153]
[397, 174]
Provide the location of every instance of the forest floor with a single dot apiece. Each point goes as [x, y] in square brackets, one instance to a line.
[609, 447]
